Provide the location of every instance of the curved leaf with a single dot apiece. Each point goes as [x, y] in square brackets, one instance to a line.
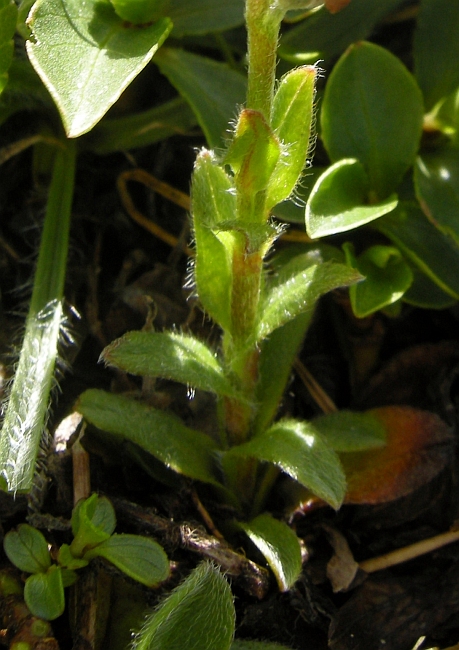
[300, 451]
[86, 56]
[198, 615]
[373, 111]
[182, 449]
[27, 549]
[351, 430]
[44, 594]
[141, 558]
[178, 357]
[279, 545]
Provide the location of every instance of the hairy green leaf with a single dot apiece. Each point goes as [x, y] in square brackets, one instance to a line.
[141, 558]
[198, 615]
[182, 449]
[373, 111]
[174, 356]
[86, 56]
[339, 200]
[27, 549]
[279, 545]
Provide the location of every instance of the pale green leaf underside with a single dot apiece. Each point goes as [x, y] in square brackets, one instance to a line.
[279, 545]
[182, 449]
[172, 356]
[299, 450]
[86, 56]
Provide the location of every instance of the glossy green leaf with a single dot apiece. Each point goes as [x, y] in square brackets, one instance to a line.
[300, 451]
[351, 430]
[86, 56]
[204, 16]
[182, 449]
[437, 27]
[179, 357]
[324, 35]
[140, 12]
[435, 253]
[387, 277]
[141, 558]
[291, 121]
[44, 594]
[436, 177]
[198, 615]
[372, 111]
[425, 293]
[339, 201]
[253, 154]
[27, 549]
[213, 203]
[298, 290]
[140, 129]
[212, 89]
[279, 545]
[93, 521]
[8, 18]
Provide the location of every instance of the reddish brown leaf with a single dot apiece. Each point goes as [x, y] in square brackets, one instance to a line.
[334, 6]
[418, 448]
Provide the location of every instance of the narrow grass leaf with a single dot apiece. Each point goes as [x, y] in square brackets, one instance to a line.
[178, 357]
[182, 449]
[279, 545]
[198, 615]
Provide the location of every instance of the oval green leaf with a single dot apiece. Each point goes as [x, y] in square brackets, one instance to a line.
[27, 549]
[279, 545]
[140, 558]
[170, 355]
[198, 615]
[339, 200]
[86, 56]
[373, 111]
[301, 452]
[182, 449]
[44, 594]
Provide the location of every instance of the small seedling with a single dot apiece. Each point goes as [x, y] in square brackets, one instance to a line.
[93, 524]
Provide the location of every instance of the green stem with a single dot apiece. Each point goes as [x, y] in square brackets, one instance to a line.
[26, 414]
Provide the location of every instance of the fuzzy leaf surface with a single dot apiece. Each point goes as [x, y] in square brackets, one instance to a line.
[86, 56]
[299, 291]
[141, 558]
[44, 594]
[198, 615]
[182, 449]
[174, 356]
[373, 111]
[212, 89]
[339, 200]
[299, 450]
[27, 549]
[279, 545]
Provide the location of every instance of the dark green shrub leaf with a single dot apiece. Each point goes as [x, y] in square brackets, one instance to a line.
[351, 430]
[93, 521]
[279, 545]
[437, 27]
[212, 89]
[339, 201]
[98, 56]
[299, 291]
[433, 252]
[141, 558]
[373, 111]
[139, 12]
[27, 549]
[436, 177]
[213, 203]
[182, 449]
[325, 35]
[198, 615]
[8, 18]
[425, 293]
[387, 277]
[291, 121]
[44, 594]
[300, 451]
[178, 357]
[204, 16]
